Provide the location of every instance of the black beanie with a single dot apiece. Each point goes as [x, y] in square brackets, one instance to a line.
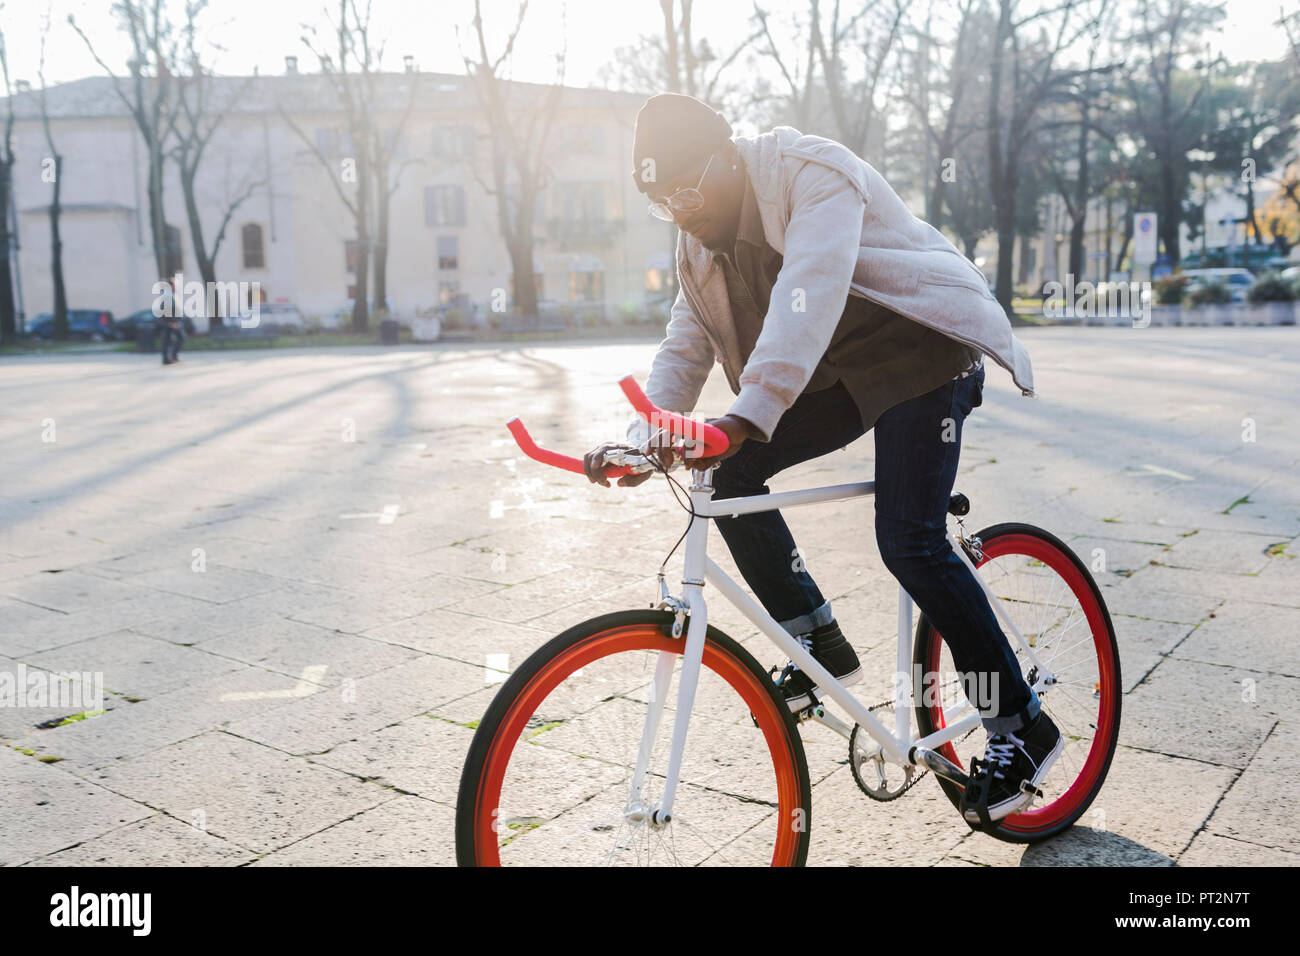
[675, 131]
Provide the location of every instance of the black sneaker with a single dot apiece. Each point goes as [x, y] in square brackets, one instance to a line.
[829, 649]
[1014, 765]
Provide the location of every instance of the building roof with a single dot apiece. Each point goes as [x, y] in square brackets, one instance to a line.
[304, 93]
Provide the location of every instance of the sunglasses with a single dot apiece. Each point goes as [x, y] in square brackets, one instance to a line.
[685, 199]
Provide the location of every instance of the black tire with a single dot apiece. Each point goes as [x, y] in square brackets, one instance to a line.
[467, 803]
[926, 635]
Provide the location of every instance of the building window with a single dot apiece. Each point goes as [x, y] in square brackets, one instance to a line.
[351, 255]
[254, 251]
[448, 257]
[453, 142]
[444, 206]
[586, 286]
[448, 291]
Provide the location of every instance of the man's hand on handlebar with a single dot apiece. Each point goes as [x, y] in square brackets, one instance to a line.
[661, 448]
[593, 462]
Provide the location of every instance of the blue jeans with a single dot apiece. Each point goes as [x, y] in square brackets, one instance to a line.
[915, 471]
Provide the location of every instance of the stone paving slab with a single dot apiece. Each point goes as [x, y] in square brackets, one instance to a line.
[1260, 806]
[243, 792]
[130, 729]
[317, 724]
[48, 809]
[159, 840]
[1261, 637]
[363, 600]
[134, 665]
[405, 831]
[1149, 811]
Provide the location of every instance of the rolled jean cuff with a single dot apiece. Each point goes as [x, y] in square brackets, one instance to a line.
[806, 622]
[1013, 722]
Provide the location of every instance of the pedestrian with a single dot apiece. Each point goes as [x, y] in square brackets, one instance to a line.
[834, 311]
[170, 323]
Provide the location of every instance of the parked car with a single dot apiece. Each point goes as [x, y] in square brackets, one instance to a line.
[86, 325]
[129, 326]
[1237, 281]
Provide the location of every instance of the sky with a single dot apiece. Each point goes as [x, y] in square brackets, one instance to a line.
[260, 33]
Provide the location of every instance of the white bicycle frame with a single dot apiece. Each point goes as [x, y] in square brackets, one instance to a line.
[899, 747]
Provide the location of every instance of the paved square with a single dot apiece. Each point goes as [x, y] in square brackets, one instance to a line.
[304, 574]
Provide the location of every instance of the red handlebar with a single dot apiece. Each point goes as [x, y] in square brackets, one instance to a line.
[713, 439]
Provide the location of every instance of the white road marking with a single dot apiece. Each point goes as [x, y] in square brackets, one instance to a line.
[1157, 470]
[307, 685]
[387, 516]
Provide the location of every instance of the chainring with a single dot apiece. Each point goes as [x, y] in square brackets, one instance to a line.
[875, 777]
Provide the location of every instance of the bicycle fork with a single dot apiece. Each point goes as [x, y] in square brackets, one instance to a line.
[692, 657]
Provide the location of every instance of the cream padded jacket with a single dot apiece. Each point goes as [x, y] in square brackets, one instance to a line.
[842, 230]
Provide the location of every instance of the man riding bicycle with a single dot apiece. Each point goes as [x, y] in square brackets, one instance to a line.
[833, 310]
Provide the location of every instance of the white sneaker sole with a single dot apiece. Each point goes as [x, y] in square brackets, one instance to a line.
[1013, 804]
[803, 700]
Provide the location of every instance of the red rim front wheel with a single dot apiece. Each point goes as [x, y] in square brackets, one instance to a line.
[549, 774]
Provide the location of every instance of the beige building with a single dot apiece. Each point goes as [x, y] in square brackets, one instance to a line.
[295, 236]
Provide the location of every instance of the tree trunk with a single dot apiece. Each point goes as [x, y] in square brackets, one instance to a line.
[157, 221]
[1170, 213]
[1079, 218]
[8, 328]
[521, 255]
[1128, 238]
[381, 242]
[56, 255]
[1002, 179]
[360, 311]
[207, 269]
[1022, 269]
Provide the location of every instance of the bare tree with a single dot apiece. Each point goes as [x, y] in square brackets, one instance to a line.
[944, 79]
[150, 101]
[385, 144]
[518, 131]
[8, 326]
[198, 118]
[351, 31]
[797, 102]
[671, 61]
[1024, 71]
[1164, 33]
[55, 209]
[871, 32]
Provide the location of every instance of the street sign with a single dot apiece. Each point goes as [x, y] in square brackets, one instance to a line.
[1144, 238]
